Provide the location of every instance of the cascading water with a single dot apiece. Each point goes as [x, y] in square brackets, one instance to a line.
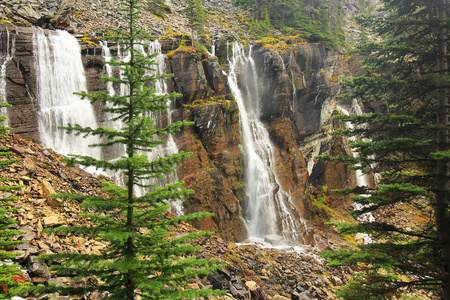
[106, 53]
[60, 73]
[213, 48]
[170, 147]
[294, 89]
[361, 178]
[267, 203]
[7, 53]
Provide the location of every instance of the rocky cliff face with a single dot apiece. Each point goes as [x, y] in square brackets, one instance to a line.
[298, 98]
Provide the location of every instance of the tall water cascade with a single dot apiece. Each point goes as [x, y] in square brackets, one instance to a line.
[361, 178]
[60, 74]
[267, 204]
[7, 53]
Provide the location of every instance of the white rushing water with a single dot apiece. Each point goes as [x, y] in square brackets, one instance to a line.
[294, 89]
[60, 73]
[7, 53]
[213, 48]
[267, 204]
[362, 179]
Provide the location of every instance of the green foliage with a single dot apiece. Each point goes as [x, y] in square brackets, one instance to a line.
[196, 16]
[262, 28]
[398, 144]
[318, 20]
[140, 259]
[10, 274]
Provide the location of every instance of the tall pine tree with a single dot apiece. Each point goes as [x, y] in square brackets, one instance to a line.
[196, 15]
[139, 259]
[406, 145]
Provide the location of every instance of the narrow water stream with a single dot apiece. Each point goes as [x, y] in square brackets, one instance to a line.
[267, 205]
[7, 53]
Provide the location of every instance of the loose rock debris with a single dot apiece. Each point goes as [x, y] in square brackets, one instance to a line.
[251, 272]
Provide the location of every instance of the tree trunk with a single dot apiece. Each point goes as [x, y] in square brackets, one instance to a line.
[442, 166]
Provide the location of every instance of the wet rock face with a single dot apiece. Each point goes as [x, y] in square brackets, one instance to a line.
[20, 80]
[276, 94]
[295, 85]
[291, 165]
[309, 101]
[197, 76]
[189, 76]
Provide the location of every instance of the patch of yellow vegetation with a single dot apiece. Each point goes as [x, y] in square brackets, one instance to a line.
[87, 40]
[282, 44]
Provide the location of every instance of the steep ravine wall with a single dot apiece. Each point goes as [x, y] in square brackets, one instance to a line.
[299, 97]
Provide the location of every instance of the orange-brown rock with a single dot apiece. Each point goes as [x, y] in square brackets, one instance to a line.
[291, 165]
[215, 169]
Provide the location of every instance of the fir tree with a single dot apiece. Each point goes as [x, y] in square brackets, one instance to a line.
[139, 259]
[10, 274]
[196, 16]
[407, 74]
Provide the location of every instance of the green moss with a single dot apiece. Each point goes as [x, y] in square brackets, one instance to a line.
[211, 100]
[281, 45]
[184, 49]
[321, 198]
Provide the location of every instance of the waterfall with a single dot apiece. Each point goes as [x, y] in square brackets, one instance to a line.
[294, 89]
[7, 53]
[60, 73]
[106, 53]
[267, 204]
[170, 147]
[213, 48]
[361, 178]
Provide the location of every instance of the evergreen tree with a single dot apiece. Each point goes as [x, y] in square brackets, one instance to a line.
[317, 20]
[406, 145]
[10, 274]
[197, 17]
[139, 259]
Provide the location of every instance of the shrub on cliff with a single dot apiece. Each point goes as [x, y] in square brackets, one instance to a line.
[139, 259]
